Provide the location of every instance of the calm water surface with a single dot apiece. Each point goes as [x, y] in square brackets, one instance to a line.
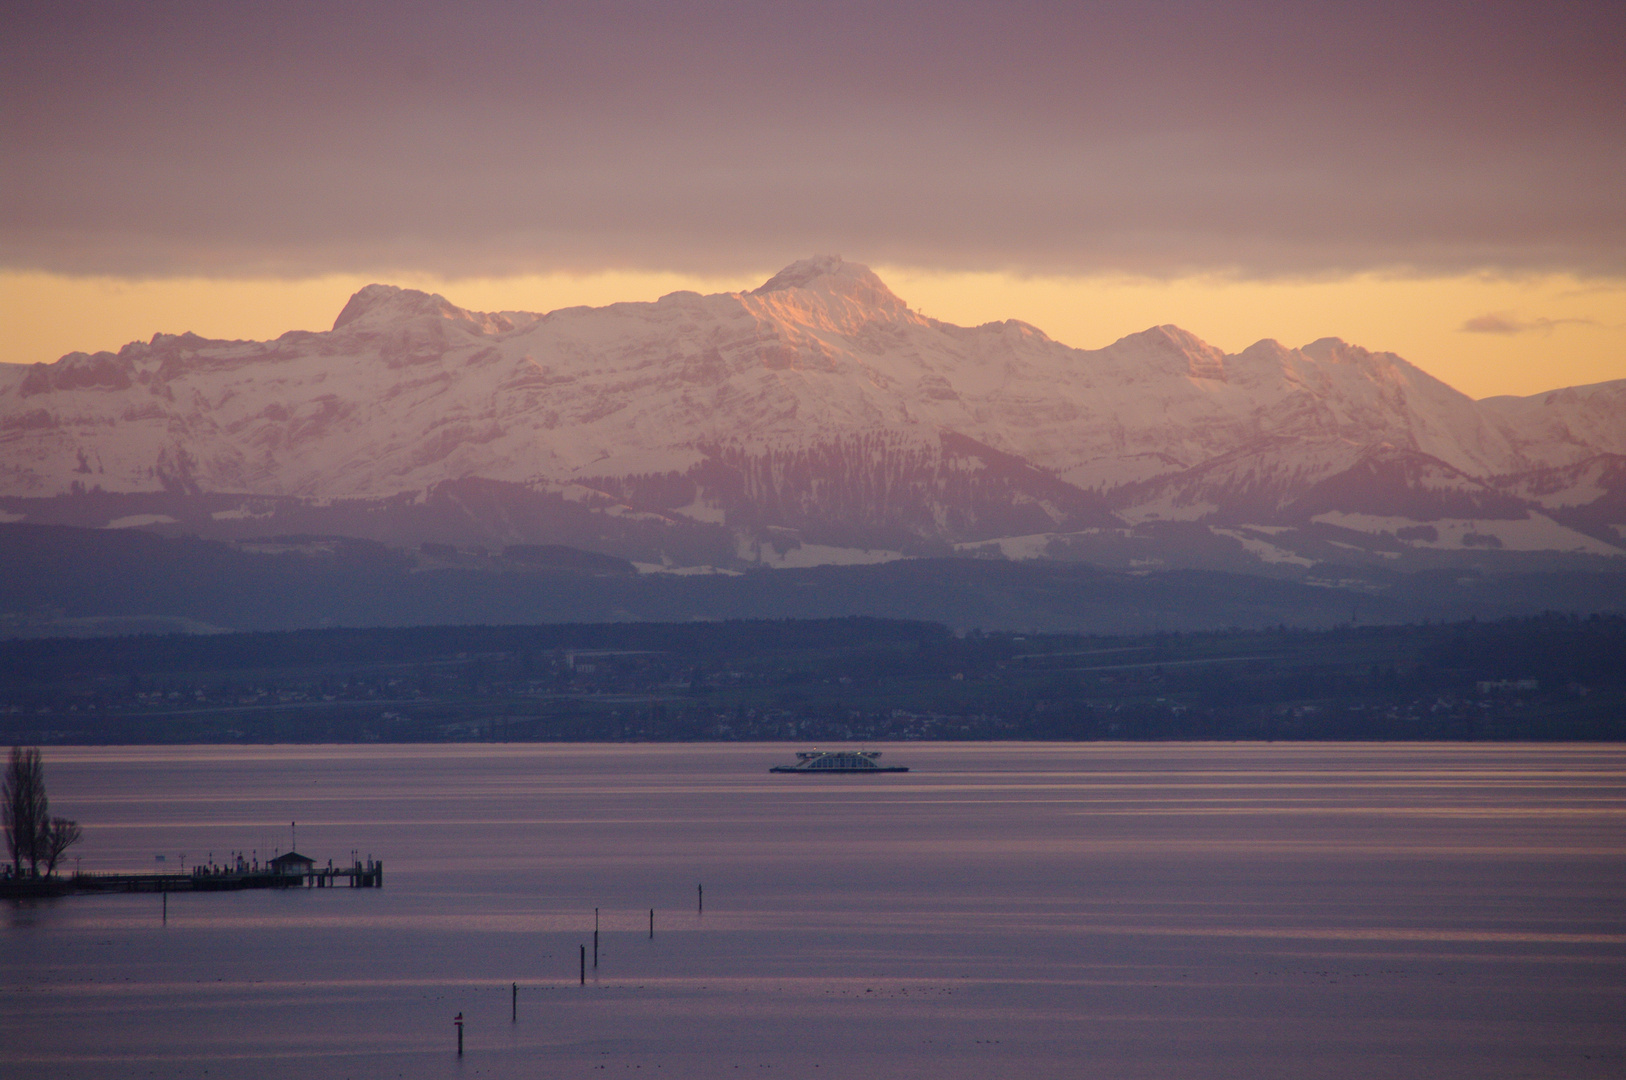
[1094, 910]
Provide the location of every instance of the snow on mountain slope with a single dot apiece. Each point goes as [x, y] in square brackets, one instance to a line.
[1581, 484]
[1537, 532]
[1165, 392]
[1565, 427]
[817, 403]
[1589, 495]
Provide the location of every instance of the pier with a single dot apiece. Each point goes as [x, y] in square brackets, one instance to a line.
[283, 873]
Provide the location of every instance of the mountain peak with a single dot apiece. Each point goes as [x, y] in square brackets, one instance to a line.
[1333, 349]
[1172, 350]
[803, 272]
[366, 299]
[374, 298]
[835, 277]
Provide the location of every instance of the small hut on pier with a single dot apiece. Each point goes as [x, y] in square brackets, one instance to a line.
[293, 864]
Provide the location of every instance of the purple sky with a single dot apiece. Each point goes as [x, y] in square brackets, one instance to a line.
[304, 138]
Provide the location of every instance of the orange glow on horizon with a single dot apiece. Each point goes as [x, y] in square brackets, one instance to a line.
[1549, 331]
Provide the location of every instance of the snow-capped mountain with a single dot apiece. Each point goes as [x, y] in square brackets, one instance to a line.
[819, 416]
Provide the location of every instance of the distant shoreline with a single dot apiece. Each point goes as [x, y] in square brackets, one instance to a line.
[1545, 678]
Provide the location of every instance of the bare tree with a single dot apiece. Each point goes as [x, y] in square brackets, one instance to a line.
[31, 832]
[59, 836]
[25, 808]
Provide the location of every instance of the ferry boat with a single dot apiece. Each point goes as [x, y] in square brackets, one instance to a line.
[837, 761]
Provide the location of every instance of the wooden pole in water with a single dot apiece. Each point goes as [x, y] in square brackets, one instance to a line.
[584, 965]
[700, 899]
[514, 1015]
[595, 939]
[651, 924]
[459, 1023]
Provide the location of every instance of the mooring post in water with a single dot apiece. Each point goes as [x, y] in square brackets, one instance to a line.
[584, 965]
[651, 924]
[700, 899]
[514, 1015]
[595, 939]
[459, 1023]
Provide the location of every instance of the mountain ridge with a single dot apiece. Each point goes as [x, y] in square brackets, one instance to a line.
[819, 405]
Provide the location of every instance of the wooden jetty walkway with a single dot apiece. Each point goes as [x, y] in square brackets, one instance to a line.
[292, 874]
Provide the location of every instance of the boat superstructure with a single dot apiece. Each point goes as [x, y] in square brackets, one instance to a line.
[838, 761]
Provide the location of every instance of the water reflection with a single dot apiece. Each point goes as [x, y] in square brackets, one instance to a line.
[1113, 910]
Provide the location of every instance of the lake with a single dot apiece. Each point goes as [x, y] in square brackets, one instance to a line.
[1002, 910]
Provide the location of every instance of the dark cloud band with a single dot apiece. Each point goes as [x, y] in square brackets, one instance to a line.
[1156, 138]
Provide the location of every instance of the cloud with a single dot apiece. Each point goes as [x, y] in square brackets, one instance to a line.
[1501, 323]
[1261, 139]
[1493, 324]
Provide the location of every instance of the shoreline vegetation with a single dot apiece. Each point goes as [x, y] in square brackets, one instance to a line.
[33, 835]
[1551, 677]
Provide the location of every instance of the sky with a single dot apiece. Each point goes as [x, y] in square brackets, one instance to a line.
[1441, 180]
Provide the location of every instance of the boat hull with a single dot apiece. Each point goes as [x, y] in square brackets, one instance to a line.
[838, 772]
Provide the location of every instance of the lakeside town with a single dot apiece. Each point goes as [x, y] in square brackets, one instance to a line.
[1554, 677]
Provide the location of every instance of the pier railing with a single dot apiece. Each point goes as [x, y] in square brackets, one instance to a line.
[204, 879]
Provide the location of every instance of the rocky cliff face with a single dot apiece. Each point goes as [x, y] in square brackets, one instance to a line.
[819, 414]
